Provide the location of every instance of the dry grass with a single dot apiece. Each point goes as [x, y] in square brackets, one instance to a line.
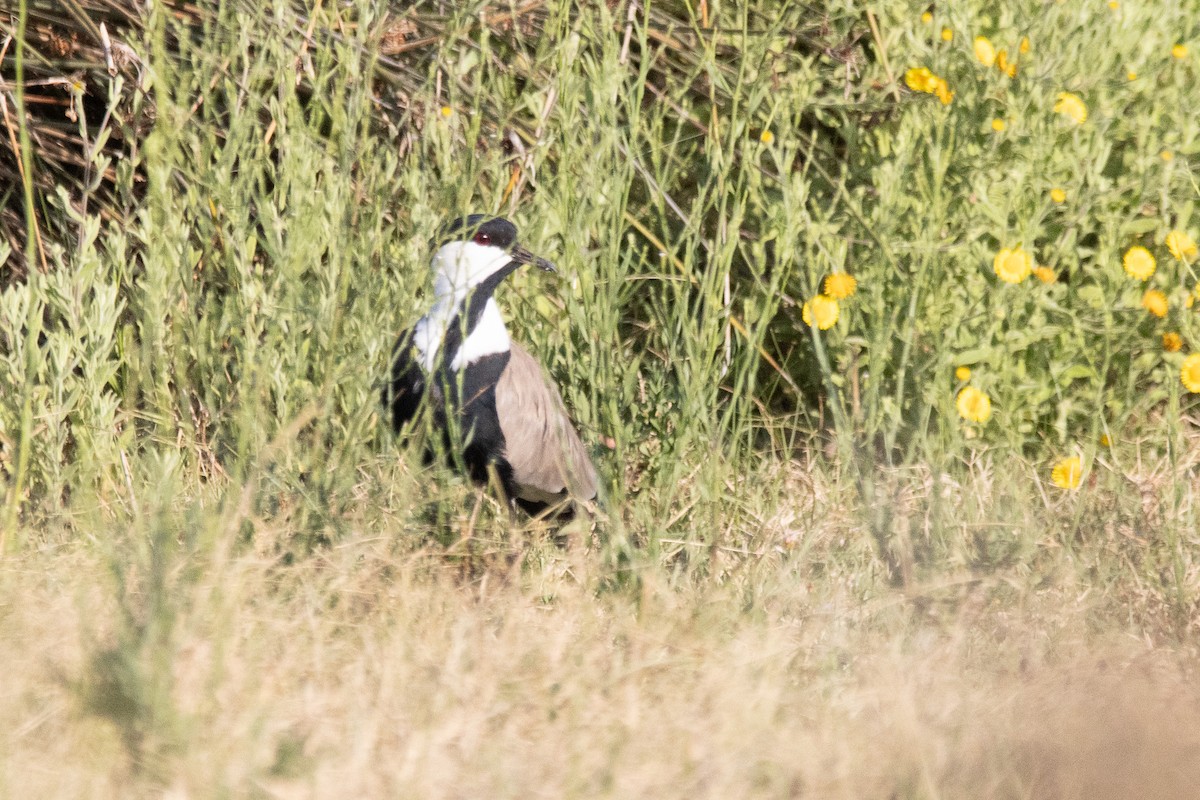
[376, 670]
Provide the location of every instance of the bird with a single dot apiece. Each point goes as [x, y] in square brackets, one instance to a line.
[490, 398]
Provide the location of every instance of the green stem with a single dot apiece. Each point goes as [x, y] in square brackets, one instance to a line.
[16, 489]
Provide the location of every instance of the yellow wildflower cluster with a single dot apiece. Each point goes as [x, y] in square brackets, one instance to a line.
[1014, 264]
[972, 404]
[921, 79]
[823, 310]
[1140, 264]
[987, 54]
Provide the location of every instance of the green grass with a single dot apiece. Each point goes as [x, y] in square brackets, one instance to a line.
[220, 574]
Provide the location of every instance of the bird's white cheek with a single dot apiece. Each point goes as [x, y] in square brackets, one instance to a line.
[462, 265]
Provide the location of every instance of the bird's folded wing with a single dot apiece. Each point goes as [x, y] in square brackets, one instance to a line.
[547, 457]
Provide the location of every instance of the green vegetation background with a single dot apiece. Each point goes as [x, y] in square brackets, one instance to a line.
[190, 353]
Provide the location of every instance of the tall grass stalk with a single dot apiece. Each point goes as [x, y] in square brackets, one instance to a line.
[16, 487]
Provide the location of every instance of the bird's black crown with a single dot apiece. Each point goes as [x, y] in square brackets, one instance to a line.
[480, 228]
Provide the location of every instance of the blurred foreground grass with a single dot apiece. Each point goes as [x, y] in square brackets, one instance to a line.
[826, 567]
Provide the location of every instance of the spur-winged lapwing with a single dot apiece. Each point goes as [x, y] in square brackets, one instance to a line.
[490, 398]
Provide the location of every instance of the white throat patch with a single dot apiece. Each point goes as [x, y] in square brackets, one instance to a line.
[488, 338]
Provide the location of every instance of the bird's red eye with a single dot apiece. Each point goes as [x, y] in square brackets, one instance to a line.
[482, 238]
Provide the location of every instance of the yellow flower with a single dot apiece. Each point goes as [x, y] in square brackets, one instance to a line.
[1131, 75]
[1182, 246]
[1166, 155]
[1012, 266]
[839, 285]
[1172, 342]
[942, 90]
[920, 79]
[927, 18]
[1105, 441]
[1139, 263]
[1058, 195]
[1009, 68]
[822, 309]
[963, 374]
[1155, 302]
[1179, 51]
[1113, 4]
[447, 111]
[1071, 106]
[1067, 473]
[1190, 373]
[766, 137]
[999, 124]
[947, 34]
[1045, 274]
[984, 51]
[973, 405]
[1024, 48]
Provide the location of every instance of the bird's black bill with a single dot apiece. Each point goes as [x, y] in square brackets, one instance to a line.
[523, 256]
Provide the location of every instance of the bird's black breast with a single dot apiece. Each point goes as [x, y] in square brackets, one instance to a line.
[463, 403]
[404, 391]
[472, 395]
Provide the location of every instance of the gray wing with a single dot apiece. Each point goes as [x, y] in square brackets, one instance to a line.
[547, 457]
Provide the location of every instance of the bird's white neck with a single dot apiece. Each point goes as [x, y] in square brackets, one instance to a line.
[488, 337]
